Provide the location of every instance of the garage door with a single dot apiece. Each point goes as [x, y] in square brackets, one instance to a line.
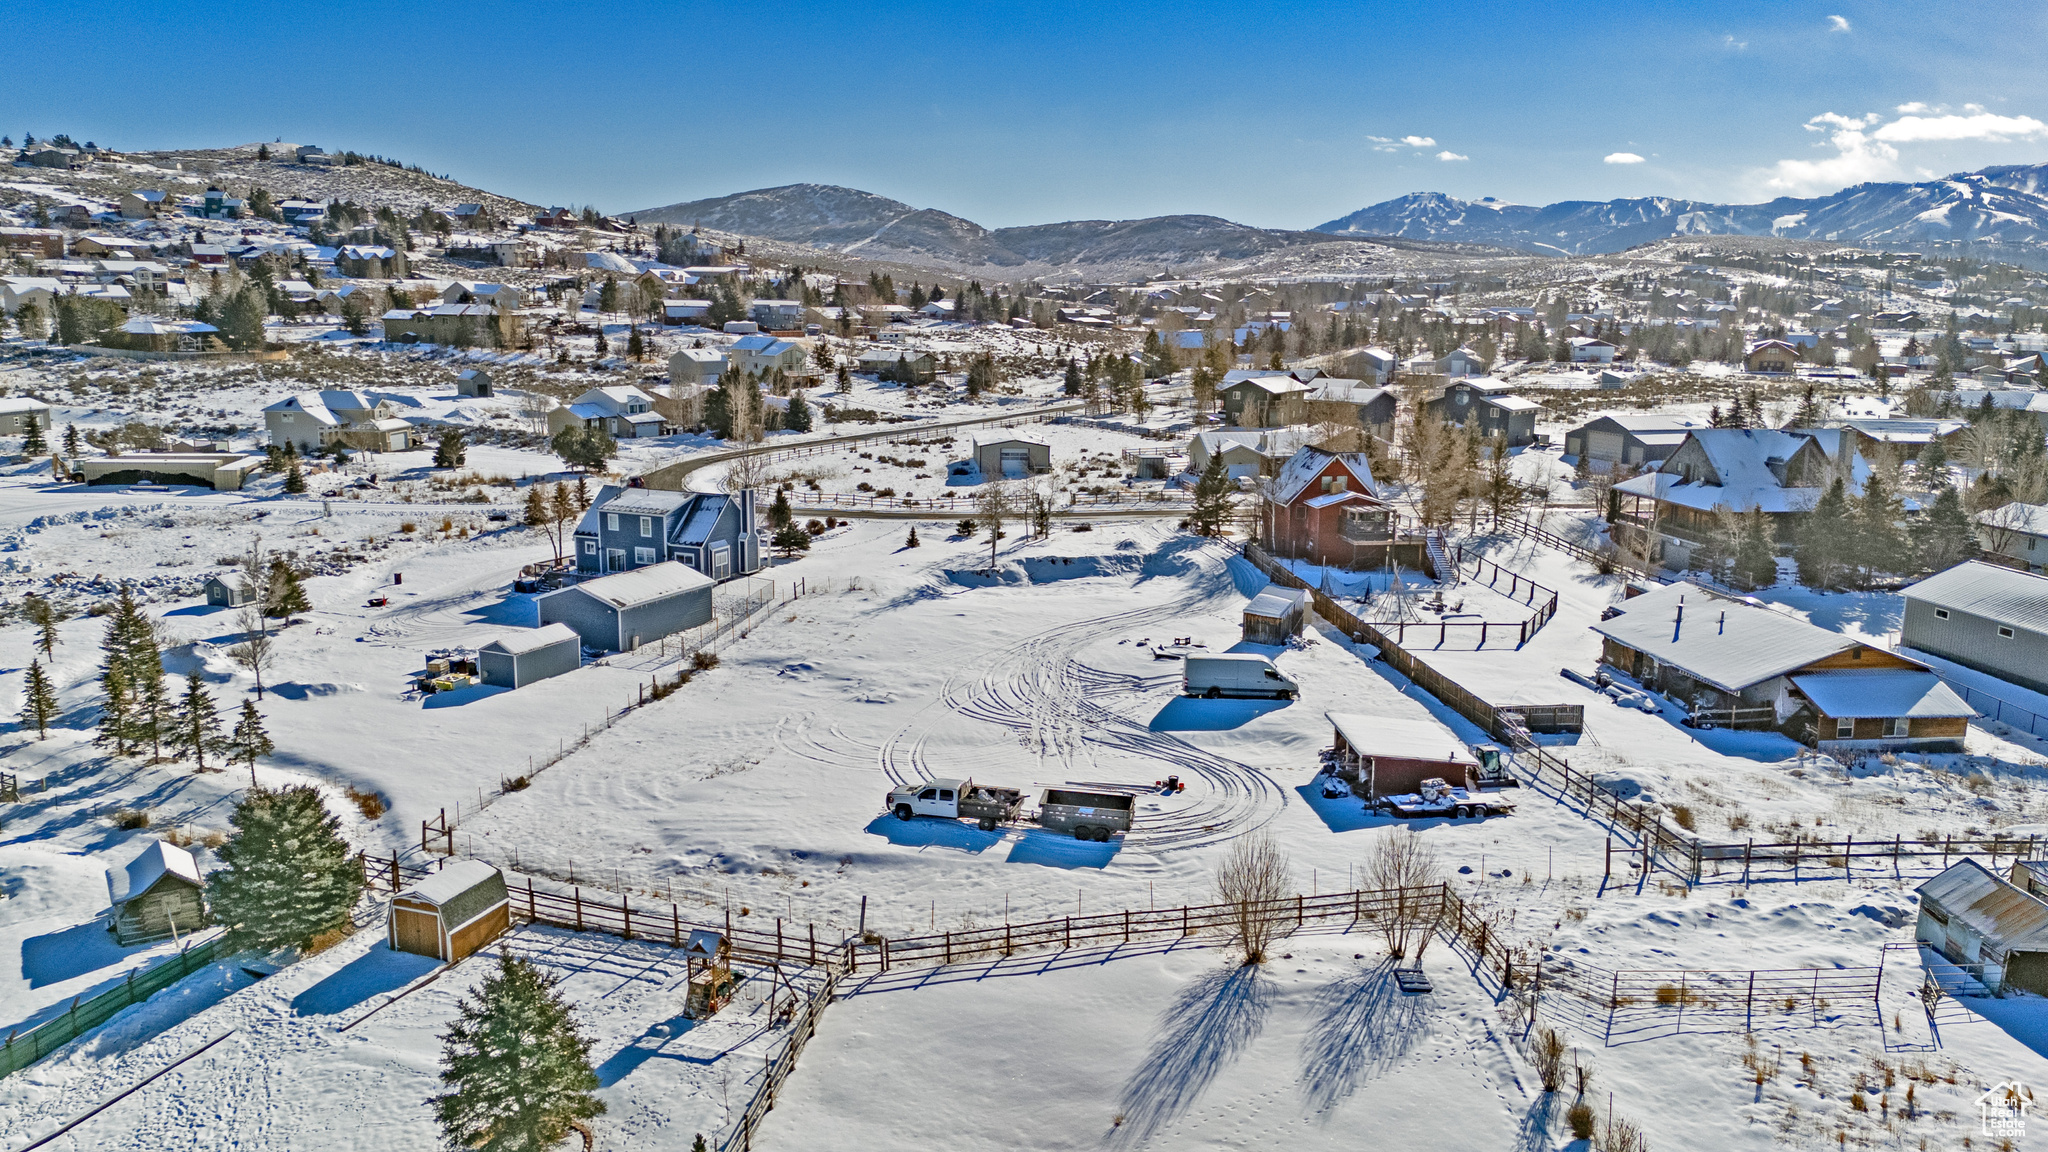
[1016, 461]
[1603, 446]
[415, 932]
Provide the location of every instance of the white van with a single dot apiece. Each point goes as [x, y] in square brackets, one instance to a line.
[1237, 674]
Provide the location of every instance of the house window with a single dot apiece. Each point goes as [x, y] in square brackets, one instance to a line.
[1845, 729]
[1898, 726]
[1941, 613]
[590, 547]
[611, 521]
[643, 555]
[2005, 633]
[647, 525]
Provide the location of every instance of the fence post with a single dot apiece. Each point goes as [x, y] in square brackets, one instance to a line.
[1848, 855]
[625, 916]
[530, 915]
[579, 909]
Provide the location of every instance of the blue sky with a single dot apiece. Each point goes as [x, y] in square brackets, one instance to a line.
[1283, 115]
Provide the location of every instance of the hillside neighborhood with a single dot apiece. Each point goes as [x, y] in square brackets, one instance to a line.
[1225, 688]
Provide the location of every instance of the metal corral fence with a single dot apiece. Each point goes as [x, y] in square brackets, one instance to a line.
[25, 1048]
[2000, 711]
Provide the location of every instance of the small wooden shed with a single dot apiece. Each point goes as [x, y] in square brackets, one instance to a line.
[452, 913]
[1275, 615]
[1991, 926]
[708, 957]
[159, 895]
[230, 591]
[473, 382]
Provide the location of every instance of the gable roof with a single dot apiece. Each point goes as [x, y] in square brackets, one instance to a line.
[641, 585]
[462, 890]
[531, 639]
[1726, 643]
[1308, 463]
[1880, 692]
[160, 859]
[1996, 909]
[1741, 459]
[1276, 601]
[1992, 590]
[646, 502]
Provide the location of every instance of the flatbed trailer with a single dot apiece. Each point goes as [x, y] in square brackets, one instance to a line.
[1455, 803]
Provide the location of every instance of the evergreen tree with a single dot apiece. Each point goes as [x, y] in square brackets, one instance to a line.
[517, 1069]
[1212, 497]
[39, 701]
[608, 295]
[584, 448]
[289, 876]
[1824, 539]
[798, 418]
[132, 673]
[196, 730]
[1946, 536]
[636, 348]
[718, 410]
[241, 320]
[32, 442]
[791, 539]
[450, 449]
[71, 440]
[295, 480]
[1931, 469]
[912, 541]
[1756, 560]
[283, 593]
[1072, 386]
[45, 616]
[779, 515]
[249, 742]
[1879, 545]
[117, 710]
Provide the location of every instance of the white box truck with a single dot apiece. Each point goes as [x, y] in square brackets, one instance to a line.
[1237, 674]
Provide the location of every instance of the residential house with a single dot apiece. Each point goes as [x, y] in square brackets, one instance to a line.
[1738, 663]
[160, 895]
[877, 315]
[1325, 507]
[2016, 533]
[629, 528]
[1983, 616]
[696, 366]
[51, 158]
[1461, 362]
[1490, 404]
[621, 411]
[42, 291]
[1246, 452]
[18, 413]
[370, 262]
[900, 365]
[1591, 350]
[1338, 400]
[761, 354]
[117, 247]
[47, 243]
[622, 611]
[675, 313]
[143, 204]
[312, 154]
[312, 421]
[150, 334]
[1996, 929]
[1772, 357]
[1779, 472]
[504, 297]
[1905, 438]
[1011, 456]
[1264, 400]
[1375, 366]
[454, 325]
[777, 315]
[218, 205]
[1630, 440]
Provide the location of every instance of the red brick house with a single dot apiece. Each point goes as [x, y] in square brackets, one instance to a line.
[1325, 508]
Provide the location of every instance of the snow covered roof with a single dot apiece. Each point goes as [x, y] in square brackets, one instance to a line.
[532, 639]
[1276, 602]
[1308, 462]
[462, 890]
[1213, 440]
[1996, 909]
[1513, 403]
[646, 502]
[701, 355]
[15, 405]
[162, 858]
[1707, 497]
[992, 441]
[1907, 431]
[2031, 519]
[1403, 737]
[641, 585]
[1650, 423]
[1277, 384]
[151, 326]
[1727, 643]
[1880, 692]
[2004, 594]
[1329, 498]
[697, 527]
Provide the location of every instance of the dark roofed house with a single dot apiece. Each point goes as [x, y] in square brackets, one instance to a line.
[159, 895]
[1739, 664]
[1490, 404]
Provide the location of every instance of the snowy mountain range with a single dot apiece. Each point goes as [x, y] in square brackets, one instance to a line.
[2006, 206]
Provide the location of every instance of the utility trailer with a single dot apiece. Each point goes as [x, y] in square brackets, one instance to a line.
[985, 804]
[1088, 815]
[1439, 799]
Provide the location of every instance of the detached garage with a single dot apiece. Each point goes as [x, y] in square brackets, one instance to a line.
[520, 659]
[1012, 456]
[620, 612]
[452, 913]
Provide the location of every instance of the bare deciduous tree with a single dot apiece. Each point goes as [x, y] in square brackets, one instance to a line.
[744, 473]
[1548, 1057]
[1252, 880]
[991, 508]
[256, 650]
[1407, 870]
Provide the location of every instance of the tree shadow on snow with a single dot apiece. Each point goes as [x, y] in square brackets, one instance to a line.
[374, 973]
[1364, 1026]
[55, 957]
[1187, 714]
[1208, 1024]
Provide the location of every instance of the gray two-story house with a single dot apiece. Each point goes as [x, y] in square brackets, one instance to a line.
[627, 528]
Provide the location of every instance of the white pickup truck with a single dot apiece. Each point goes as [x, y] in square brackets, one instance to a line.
[1237, 674]
[985, 804]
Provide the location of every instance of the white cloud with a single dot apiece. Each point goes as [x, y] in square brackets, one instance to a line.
[1419, 141]
[1838, 23]
[1978, 125]
[1733, 45]
[1915, 106]
[1448, 156]
[1858, 157]
[1621, 158]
